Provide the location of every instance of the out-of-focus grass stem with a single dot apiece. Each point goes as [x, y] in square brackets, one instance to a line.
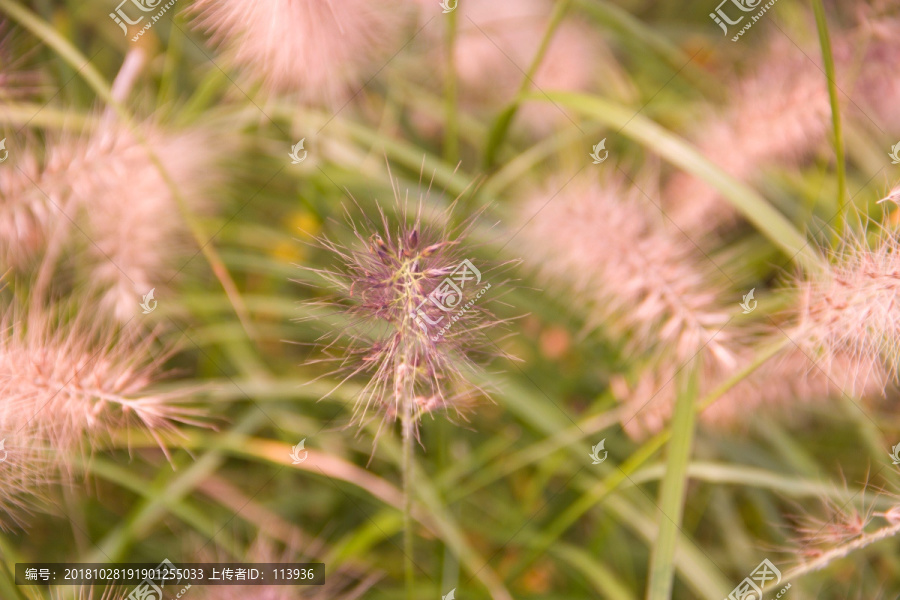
[619, 19]
[769, 221]
[501, 125]
[7, 583]
[451, 97]
[829, 556]
[674, 483]
[408, 440]
[828, 60]
[608, 484]
[153, 508]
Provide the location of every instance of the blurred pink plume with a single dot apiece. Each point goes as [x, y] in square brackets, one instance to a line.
[323, 51]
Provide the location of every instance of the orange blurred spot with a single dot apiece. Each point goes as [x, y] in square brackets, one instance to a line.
[555, 342]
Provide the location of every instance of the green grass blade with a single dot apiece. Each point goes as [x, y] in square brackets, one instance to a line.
[698, 571]
[603, 578]
[606, 485]
[616, 17]
[680, 153]
[451, 97]
[501, 126]
[154, 507]
[840, 160]
[189, 514]
[672, 492]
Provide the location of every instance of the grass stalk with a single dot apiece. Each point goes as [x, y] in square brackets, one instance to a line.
[8, 583]
[501, 125]
[155, 506]
[633, 29]
[840, 160]
[767, 220]
[432, 514]
[451, 97]
[407, 462]
[674, 483]
[611, 482]
[182, 509]
[829, 556]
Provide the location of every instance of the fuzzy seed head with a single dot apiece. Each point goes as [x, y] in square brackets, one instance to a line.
[636, 277]
[892, 515]
[780, 386]
[840, 523]
[776, 115]
[66, 384]
[25, 213]
[127, 221]
[386, 280]
[322, 50]
[127, 208]
[852, 309]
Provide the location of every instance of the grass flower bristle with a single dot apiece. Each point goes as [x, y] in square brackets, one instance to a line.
[395, 337]
[321, 50]
[68, 382]
[637, 277]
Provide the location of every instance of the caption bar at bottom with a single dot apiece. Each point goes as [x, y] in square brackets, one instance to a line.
[171, 574]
